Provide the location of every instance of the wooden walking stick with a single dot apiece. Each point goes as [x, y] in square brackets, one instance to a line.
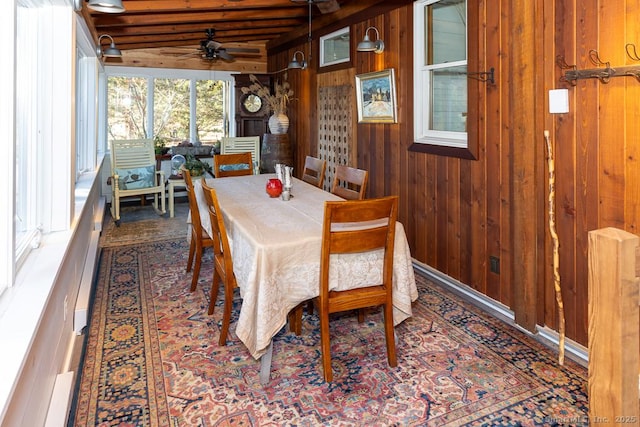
[556, 245]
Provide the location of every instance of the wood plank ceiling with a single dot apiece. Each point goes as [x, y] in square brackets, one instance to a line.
[169, 33]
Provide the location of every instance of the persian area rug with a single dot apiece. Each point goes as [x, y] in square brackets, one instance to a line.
[142, 223]
[152, 359]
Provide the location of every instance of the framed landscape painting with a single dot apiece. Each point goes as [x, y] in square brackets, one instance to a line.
[376, 97]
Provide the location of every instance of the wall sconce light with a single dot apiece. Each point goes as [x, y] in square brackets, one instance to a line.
[366, 45]
[111, 52]
[107, 6]
[294, 64]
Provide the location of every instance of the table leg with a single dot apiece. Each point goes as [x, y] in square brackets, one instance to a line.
[265, 365]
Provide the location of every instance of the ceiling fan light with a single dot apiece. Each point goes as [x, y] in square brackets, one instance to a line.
[367, 45]
[107, 6]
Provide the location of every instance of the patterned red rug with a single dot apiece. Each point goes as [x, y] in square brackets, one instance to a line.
[152, 359]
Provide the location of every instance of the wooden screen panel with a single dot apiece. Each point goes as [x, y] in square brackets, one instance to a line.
[335, 135]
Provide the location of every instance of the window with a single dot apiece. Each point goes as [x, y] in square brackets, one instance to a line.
[171, 116]
[86, 105]
[335, 47]
[127, 107]
[180, 107]
[40, 176]
[440, 52]
[26, 148]
[211, 115]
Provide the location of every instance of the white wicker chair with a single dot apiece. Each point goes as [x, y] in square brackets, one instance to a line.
[133, 173]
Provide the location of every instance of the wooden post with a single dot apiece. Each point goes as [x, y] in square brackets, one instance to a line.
[614, 343]
[525, 151]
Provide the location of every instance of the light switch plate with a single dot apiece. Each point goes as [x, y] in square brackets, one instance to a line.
[558, 101]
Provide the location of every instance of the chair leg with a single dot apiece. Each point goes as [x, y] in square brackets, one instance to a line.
[325, 344]
[196, 268]
[295, 319]
[162, 203]
[215, 285]
[226, 317]
[390, 335]
[192, 249]
[115, 204]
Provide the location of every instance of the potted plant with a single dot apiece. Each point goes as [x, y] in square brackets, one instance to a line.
[197, 167]
[276, 102]
[160, 145]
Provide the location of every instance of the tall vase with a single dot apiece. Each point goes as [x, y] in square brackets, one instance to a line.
[278, 123]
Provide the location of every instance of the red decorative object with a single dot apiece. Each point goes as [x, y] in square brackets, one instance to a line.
[274, 187]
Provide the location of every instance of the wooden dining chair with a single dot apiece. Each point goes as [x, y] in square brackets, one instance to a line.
[199, 237]
[349, 183]
[313, 172]
[235, 164]
[222, 262]
[350, 227]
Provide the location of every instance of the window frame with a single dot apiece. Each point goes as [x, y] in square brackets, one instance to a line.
[444, 143]
[164, 73]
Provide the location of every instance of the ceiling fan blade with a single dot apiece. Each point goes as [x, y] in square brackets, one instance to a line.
[212, 44]
[222, 53]
[242, 50]
[329, 6]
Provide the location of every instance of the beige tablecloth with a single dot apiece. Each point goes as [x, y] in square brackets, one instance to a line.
[275, 246]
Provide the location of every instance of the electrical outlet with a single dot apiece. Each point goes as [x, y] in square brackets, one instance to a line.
[66, 304]
[494, 264]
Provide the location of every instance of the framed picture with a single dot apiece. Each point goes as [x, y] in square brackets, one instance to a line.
[376, 97]
[335, 47]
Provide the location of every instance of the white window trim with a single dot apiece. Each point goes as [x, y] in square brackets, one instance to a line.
[421, 104]
[8, 135]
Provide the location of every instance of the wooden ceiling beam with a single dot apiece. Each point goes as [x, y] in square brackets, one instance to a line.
[195, 39]
[144, 6]
[193, 17]
[220, 28]
[184, 39]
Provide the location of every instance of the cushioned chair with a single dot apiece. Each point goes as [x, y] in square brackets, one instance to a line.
[222, 262]
[349, 183]
[133, 173]
[240, 144]
[313, 172]
[349, 227]
[199, 237]
[237, 164]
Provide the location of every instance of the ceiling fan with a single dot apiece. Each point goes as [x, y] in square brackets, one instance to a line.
[325, 6]
[212, 50]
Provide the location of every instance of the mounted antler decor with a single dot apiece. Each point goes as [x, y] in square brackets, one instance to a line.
[604, 74]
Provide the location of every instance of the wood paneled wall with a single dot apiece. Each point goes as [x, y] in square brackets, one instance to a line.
[459, 212]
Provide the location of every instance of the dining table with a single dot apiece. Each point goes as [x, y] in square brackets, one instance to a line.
[275, 246]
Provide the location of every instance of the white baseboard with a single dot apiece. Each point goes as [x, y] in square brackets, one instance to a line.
[98, 215]
[60, 399]
[573, 350]
[81, 312]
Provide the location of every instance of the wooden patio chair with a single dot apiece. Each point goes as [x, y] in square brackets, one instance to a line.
[313, 172]
[236, 164]
[199, 237]
[351, 227]
[350, 183]
[133, 173]
[222, 262]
